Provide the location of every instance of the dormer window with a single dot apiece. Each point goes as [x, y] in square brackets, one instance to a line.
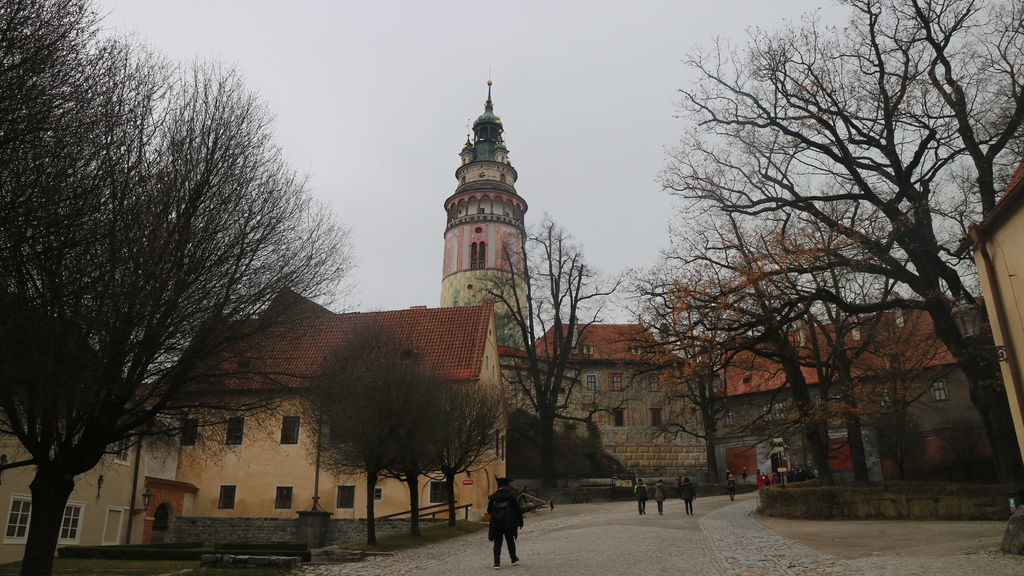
[588, 348]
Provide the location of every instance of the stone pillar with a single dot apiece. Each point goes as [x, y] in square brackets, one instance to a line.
[312, 527]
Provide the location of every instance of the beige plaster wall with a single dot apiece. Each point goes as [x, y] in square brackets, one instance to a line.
[1004, 248]
[104, 511]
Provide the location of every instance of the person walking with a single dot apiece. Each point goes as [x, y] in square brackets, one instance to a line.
[744, 474]
[679, 487]
[640, 492]
[659, 496]
[506, 520]
[730, 485]
[688, 494]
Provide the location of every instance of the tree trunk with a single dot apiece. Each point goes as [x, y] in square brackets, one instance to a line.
[710, 447]
[413, 482]
[546, 420]
[815, 431]
[371, 525]
[51, 487]
[855, 437]
[449, 488]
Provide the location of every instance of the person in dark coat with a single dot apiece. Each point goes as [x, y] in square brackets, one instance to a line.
[506, 520]
[688, 494]
[640, 493]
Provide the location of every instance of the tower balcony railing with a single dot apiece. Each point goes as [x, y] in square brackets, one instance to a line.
[485, 218]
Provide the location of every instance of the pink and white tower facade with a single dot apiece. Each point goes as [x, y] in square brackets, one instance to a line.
[485, 229]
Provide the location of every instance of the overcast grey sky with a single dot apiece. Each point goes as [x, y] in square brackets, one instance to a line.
[373, 99]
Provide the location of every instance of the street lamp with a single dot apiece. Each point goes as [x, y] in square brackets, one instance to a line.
[146, 497]
[968, 319]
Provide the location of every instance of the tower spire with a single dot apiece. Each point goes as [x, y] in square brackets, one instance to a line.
[488, 106]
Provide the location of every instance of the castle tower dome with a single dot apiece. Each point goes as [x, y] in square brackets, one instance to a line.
[485, 224]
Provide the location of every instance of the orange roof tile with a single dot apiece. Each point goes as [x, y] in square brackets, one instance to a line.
[452, 341]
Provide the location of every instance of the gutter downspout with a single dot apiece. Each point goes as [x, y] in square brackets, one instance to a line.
[135, 489]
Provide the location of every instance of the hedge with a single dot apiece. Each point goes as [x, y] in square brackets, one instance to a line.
[921, 500]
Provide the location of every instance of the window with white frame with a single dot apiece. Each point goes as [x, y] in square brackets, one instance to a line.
[939, 391]
[283, 498]
[226, 500]
[378, 494]
[438, 492]
[17, 519]
[591, 382]
[617, 382]
[72, 521]
[122, 451]
[652, 384]
[346, 496]
[728, 418]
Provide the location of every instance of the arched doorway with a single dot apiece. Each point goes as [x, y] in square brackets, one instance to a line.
[162, 518]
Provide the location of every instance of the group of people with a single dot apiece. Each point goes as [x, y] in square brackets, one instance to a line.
[793, 475]
[685, 491]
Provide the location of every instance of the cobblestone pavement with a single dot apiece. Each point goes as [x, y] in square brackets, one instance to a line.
[612, 539]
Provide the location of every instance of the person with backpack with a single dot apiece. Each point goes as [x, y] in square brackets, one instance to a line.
[730, 485]
[506, 520]
[640, 491]
[688, 494]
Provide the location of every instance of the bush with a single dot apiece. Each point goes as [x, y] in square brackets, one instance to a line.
[894, 500]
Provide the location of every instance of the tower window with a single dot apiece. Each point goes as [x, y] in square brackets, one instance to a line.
[478, 255]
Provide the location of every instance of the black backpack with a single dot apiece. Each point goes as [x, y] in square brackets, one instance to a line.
[501, 512]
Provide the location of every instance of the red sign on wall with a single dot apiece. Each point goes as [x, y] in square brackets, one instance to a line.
[467, 482]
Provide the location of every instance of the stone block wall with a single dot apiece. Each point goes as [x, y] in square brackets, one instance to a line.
[662, 460]
[213, 530]
[340, 530]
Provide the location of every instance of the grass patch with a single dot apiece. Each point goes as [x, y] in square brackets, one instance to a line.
[428, 535]
[93, 567]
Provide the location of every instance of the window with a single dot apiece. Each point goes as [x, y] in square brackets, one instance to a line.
[619, 417]
[588, 348]
[438, 493]
[591, 382]
[227, 498]
[283, 497]
[346, 497]
[122, 451]
[236, 429]
[855, 333]
[748, 379]
[616, 381]
[652, 384]
[939, 390]
[635, 349]
[290, 430]
[72, 520]
[189, 431]
[378, 494]
[478, 255]
[17, 520]
[728, 417]
[655, 416]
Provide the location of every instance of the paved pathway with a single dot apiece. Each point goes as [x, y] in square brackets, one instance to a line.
[612, 539]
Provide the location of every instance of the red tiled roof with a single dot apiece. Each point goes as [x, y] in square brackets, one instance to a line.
[451, 341]
[915, 342]
[609, 342]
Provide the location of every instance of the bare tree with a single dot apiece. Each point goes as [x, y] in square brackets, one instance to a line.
[147, 218]
[549, 313]
[911, 115]
[468, 440]
[373, 397]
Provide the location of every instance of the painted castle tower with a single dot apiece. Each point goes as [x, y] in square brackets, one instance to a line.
[484, 235]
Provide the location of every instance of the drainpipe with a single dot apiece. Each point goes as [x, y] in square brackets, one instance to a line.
[135, 489]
